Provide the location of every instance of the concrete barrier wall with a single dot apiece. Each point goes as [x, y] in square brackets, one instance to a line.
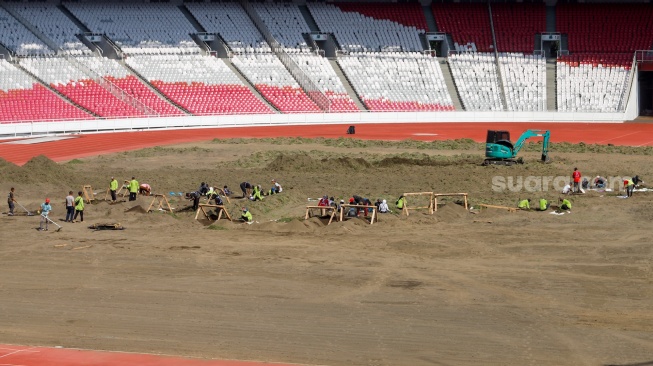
[9, 130]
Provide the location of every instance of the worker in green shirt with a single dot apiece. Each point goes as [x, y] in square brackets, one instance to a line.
[565, 204]
[246, 216]
[524, 204]
[113, 187]
[400, 202]
[544, 204]
[133, 189]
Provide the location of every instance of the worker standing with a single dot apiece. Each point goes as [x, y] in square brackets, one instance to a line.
[113, 187]
[195, 196]
[246, 187]
[44, 212]
[133, 189]
[246, 216]
[576, 178]
[524, 204]
[70, 207]
[79, 207]
[11, 200]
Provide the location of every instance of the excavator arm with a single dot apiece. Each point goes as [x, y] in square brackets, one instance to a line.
[533, 133]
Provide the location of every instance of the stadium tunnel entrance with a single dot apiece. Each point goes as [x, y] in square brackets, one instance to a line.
[645, 79]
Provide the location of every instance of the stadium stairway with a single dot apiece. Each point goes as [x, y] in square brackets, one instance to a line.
[191, 19]
[308, 17]
[550, 18]
[345, 81]
[502, 87]
[451, 84]
[430, 18]
[31, 28]
[551, 81]
[249, 85]
[152, 87]
[55, 91]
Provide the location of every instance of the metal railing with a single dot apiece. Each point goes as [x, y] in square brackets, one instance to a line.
[309, 87]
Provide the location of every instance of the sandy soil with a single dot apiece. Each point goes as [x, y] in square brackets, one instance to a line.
[453, 288]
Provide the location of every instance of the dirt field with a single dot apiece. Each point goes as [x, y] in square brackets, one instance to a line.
[453, 288]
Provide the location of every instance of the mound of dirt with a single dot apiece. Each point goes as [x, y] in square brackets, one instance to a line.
[41, 169]
[137, 209]
[451, 212]
[304, 162]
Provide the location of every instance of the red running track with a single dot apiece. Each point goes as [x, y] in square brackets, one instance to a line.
[632, 134]
[11, 355]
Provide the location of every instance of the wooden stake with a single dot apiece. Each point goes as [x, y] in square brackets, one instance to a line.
[160, 199]
[87, 191]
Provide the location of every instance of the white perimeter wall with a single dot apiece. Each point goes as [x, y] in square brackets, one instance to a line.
[9, 130]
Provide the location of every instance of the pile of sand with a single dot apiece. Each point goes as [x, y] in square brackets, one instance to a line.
[137, 209]
[303, 162]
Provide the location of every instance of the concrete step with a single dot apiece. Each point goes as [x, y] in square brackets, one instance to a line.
[345, 81]
[191, 18]
[551, 85]
[249, 85]
[308, 17]
[153, 88]
[430, 19]
[451, 84]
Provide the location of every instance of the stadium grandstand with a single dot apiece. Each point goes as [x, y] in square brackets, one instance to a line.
[99, 60]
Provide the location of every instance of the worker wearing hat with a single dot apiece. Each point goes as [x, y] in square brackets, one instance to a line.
[44, 212]
[246, 216]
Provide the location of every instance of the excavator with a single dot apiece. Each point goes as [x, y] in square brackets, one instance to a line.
[500, 150]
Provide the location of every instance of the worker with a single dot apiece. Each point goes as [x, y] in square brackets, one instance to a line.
[566, 189]
[324, 201]
[195, 197]
[44, 212]
[133, 189]
[524, 204]
[144, 189]
[70, 207]
[257, 194]
[565, 204]
[218, 200]
[576, 178]
[210, 193]
[11, 200]
[401, 202]
[79, 207]
[353, 211]
[203, 188]
[339, 207]
[383, 207]
[246, 216]
[630, 187]
[246, 187]
[544, 204]
[276, 188]
[599, 182]
[113, 188]
[227, 191]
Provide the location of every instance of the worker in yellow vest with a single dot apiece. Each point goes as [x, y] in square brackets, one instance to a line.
[524, 204]
[133, 189]
[113, 187]
[565, 204]
[544, 204]
[246, 216]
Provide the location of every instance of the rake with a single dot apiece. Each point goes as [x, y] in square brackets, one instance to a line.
[28, 213]
[57, 225]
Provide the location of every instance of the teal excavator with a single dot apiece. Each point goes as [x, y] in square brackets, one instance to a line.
[500, 150]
